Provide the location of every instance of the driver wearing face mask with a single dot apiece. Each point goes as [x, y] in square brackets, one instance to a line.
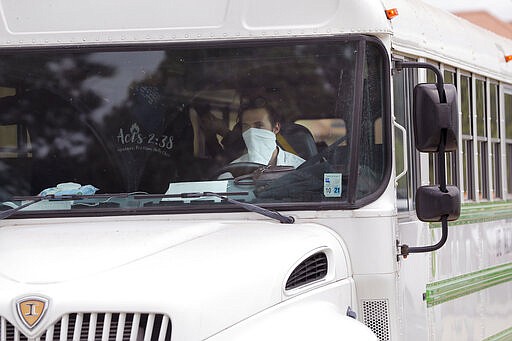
[259, 128]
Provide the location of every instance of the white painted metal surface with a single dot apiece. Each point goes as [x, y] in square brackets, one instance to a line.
[119, 22]
[425, 31]
[222, 276]
[191, 270]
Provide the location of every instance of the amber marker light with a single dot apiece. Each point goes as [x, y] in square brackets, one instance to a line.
[391, 13]
[508, 58]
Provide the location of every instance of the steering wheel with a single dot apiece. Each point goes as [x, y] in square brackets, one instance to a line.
[238, 168]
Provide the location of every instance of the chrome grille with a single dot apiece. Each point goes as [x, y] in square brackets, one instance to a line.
[9, 332]
[99, 326]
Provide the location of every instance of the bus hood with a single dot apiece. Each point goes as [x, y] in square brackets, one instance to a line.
[193, 271]
[64, 251]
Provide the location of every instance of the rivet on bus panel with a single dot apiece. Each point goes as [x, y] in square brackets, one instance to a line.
[391, 13]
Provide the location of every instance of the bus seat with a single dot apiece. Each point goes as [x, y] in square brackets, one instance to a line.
[297, 139]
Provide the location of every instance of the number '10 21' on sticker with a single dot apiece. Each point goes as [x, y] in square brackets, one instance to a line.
[332, 185]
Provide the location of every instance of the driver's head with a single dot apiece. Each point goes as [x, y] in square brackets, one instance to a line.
[259, 114]
[260, 124]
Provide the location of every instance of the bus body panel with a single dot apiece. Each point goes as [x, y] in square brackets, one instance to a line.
[116, 22]
[470, 276]
[462, 291]
[425, 31]
[207, 288]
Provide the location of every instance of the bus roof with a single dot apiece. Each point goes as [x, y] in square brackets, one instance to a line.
[426, 31]
[64, 22]
[419, 29]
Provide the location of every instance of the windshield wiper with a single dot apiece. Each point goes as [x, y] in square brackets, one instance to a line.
[249, 207]
[141, 195]
[63, 197]
[11, 211]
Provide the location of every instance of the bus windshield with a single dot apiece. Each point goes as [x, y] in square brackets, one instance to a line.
[284, 124]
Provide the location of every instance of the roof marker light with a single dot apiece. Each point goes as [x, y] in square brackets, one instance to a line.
[508, 58]
[391, 13]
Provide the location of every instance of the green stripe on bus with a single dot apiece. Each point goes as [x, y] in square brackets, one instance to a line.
[452, 288]
[505, 335]
[481, 212]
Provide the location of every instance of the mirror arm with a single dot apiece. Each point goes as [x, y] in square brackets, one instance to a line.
[399, 65]
[405, 249]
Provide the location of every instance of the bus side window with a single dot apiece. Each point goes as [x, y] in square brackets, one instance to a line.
[508, 140]
[468, 185]
[452, 169]
[481, 137]
[495, 138]
[403, 85]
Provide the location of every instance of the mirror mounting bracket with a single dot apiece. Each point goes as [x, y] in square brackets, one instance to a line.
[399, 65]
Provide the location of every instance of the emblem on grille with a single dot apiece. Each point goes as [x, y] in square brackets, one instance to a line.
[31, 310]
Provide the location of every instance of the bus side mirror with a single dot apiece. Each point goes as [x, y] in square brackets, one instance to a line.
[432, 203]
[431, 115]
[436, 130]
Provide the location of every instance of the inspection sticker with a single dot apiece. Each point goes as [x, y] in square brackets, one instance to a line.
[332, 185]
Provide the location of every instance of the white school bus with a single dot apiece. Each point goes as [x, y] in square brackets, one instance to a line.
[253, 170]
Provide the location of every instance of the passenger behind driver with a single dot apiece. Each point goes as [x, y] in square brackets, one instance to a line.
[260, 125]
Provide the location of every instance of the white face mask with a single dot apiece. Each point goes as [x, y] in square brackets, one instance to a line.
[261, 143]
